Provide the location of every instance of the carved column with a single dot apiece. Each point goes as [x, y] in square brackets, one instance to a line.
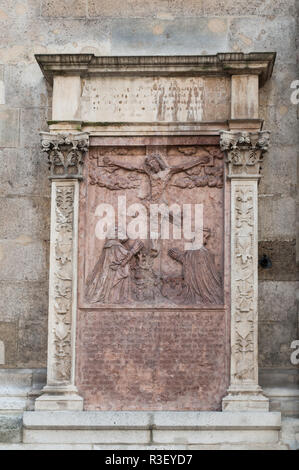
[244, 156]
[65, 155]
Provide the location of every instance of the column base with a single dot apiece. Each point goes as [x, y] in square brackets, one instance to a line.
[245, 399]
[59, 399]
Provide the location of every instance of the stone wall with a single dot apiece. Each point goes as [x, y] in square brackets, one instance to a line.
[138, 27]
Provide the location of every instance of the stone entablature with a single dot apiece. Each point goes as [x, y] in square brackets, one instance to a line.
[132, 95]
[221, 64]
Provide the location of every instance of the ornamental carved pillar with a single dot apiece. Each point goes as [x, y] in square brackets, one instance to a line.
[244, 155]
[66, 154]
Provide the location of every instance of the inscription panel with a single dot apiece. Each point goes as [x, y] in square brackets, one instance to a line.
[152, 360]
[155, 99]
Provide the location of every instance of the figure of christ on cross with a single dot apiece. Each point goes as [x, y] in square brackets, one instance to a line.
[158, 172]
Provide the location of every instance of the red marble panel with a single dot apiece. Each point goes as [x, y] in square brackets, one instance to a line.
[152, 360]
[153, 314]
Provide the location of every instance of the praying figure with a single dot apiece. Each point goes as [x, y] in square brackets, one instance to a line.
[110, 280]
[201, 281]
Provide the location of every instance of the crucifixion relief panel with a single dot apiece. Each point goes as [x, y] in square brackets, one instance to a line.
[153, 274]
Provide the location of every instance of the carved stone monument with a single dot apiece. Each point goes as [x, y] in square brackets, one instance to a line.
[153, 264]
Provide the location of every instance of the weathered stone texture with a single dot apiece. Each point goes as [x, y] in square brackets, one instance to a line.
[51, 35]
[23, 262]
[275, 92]
[9, 127]
[265, 34]
[275, 339]
[277, 217]
[277, 301]
[32, 122]
[155, 36]
[21, 84]
[278, 172]
[24, 172]
[182, 99]
[33, 338]
[242, 7]
[64, 8]
[137, 8]
[132, 361]
[283, 123]
[279, 378]
[10, 428]
[21, 10]
[24, 219]
[282, 255]
[8, 335]
[168, 8]
[216, 98]
[18, 297]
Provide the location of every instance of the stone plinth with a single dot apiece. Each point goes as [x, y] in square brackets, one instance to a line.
[178, 430]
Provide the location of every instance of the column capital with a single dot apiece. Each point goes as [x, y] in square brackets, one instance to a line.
[66, 152]
[244, 152]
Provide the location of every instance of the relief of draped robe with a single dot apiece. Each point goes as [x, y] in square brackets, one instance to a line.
[202, 283]
[109, 281]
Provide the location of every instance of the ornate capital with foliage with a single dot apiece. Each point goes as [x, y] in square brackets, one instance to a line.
[65, 153]
[244, 152]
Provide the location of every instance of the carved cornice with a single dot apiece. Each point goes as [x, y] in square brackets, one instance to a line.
[244, 152]
[65, 153]
[221, 64]
[204, 128]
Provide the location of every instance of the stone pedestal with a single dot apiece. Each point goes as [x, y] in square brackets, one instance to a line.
[153, 430]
